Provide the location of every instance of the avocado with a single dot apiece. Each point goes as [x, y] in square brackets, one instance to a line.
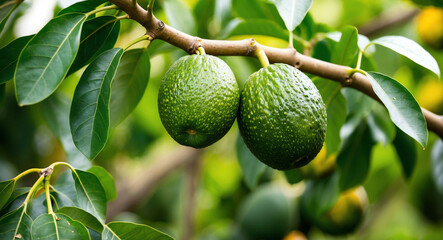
[198, 100]
[282, 117]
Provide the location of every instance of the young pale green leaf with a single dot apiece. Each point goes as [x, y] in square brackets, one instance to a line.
[293, 176]
[130, 82]
[409, 49]
[81, 7]
[437, 164]
[382, 129]
[56, 113]
[406, 151]
[251, 167]
[293, 11]
[98, 35]
[91, 196]
[89, 117]
[46, 58]
[15, 225]
[58, 226]
[403, 109]
[354, 158]
[6, 189]
[347, 48]
[9, 55]
[335, 104]
[132, 231]
[180, 16]
[106, 180]
[83, 217]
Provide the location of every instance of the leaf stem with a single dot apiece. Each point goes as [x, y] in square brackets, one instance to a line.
[201, 50]
[142, 38]
[32, 170]
[101, 9]
[261, 55]
[360, 56]
[291, 40]
[355, 70]
[64, 164]
[151, 5]
[122, 17]
[48, 197]
[32, 190]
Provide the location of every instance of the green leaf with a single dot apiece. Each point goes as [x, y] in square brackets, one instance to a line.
[65, 186]
[381, 128]
[354, 158]
[251, 167]
[179, 16]
[437, 164]
[46, 58]
[6, 9]
[15, 200]
[58, 226]
[106, 180]
[132, 231]
[335, 104]
[91, 196]
[204, 9]
[403, 109]
[56, 113]
[406, 151]
[15, 224]
[248, 9]
[89, 117]
[409, 49]
[362, 41]
[83, 217]
[9, 55]
[130, 82]
[347, 48]
[293, 176]
[2, 93]
[293, 11]
[6, 189]
[320, 194]
[98, 35]
[81, 7]
[259, 27]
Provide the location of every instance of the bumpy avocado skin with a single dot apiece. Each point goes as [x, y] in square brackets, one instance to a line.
[282, 117]
[198, 100]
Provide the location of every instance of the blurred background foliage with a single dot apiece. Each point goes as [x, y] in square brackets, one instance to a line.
[227, 206]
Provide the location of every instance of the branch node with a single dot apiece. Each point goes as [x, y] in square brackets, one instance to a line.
[348, 81]
[46, 172]
[297, 64]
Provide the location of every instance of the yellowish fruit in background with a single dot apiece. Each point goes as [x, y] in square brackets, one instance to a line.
[430, 26]
[295, 235]
[321, 166]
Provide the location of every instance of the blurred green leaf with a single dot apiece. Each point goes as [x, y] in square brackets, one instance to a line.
[106, 180]
[6, 9]
[251, 167]
[10, 205]
[2, 93]
[437, 164]
[46, 58]
[6, 189]
[293, 11]
[81, 7]
[58, 226]
[15, 225]
[347, 48]
[89, 117]
[65, 185]
[359, 106]
[293, 176]
[406, 151]
[248, 9]
[259, 27]
[129, 84]
[382, 129]
[98, 35]
[402, 106]
[409, 49]
[91, 196]
[320, 194]
[180, 16]
[354, 158]
[83, 217]
[362, 41]
[9, 55]
[204, 9]
[132, 231]
[322, 51]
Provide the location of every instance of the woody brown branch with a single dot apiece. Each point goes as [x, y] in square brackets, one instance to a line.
[158, 30]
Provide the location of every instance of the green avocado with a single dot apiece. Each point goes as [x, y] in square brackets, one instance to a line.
[198, 100]
[282, 117]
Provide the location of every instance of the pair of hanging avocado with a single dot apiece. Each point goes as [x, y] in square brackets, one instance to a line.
[281, 115]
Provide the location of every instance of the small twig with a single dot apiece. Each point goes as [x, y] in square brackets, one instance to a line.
[193, 176]
[385, 22]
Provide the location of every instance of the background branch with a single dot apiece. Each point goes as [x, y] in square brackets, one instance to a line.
[387, 21]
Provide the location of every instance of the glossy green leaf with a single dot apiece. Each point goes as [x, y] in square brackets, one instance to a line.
[347, 48]
[179, 16]
[60, 200]
[132, 231]
[91, 196]
[89, 117]
[106, 180]
[15, 225]
[437, 164]
[354, 158]
[259, 27]
[409, 49]
[320, 194]
[56, 113]
[6, 189]
[10, 205]
[65, 186]
[402, 106]
[98, 35]
[83, 217]
[293, 176]
[58, 226]
[406, 151]
[381, 128]
[9, 55]
[81, 7]
[293, 11]
[362, 41]
[129, 84]
[251, 167]
[335, 104]
[6, 9]
[46, 59]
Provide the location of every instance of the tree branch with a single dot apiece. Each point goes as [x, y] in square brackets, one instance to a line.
[387, 21]
[158, 30]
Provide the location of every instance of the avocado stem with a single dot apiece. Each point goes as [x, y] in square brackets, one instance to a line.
[261, 55]
[201, 50]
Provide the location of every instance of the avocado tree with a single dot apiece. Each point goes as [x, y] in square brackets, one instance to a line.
[309, 100]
